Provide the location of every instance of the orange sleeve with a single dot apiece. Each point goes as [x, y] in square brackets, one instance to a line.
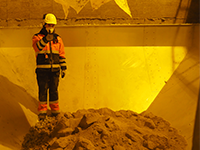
[62, 55]
[35, 39]
[62, 49]
[38, 43]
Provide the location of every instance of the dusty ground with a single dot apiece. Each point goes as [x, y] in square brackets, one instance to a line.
[103, 129]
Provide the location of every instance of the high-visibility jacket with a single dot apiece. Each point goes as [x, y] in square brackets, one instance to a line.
[50, 55]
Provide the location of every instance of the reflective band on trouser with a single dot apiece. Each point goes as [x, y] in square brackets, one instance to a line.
[54, 105]
[42, 107]
[48, 66]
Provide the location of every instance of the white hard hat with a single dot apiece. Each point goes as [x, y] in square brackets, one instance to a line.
[50, 19]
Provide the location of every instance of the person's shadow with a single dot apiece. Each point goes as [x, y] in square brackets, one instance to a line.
[17, 110]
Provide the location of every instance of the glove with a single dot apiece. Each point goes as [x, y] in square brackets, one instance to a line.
[62, 73]
[49, 37]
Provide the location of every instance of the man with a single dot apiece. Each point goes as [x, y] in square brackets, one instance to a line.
[50, 58]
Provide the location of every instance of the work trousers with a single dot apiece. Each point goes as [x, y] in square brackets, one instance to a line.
[48, 80]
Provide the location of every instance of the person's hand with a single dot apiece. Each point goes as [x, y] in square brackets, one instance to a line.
[63, 73]
[49, 37]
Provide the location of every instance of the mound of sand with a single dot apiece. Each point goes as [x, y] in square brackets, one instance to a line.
[103, 129]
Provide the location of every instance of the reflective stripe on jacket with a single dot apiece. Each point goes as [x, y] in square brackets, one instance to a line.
[50, 55]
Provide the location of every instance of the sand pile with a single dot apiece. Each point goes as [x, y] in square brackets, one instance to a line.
[103, 129]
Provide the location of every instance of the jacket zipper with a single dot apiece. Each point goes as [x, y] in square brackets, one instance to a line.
[51, 58]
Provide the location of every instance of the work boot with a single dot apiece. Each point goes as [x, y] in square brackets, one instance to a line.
[55, 114]
[42, 116]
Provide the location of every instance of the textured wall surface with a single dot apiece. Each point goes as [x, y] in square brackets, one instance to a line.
[84, 12]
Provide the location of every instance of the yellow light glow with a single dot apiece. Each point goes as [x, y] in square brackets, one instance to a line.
[121, 77]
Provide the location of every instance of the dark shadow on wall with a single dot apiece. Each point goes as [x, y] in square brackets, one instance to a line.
[193, 13]
[173, 48]
[13, 121]
[195, 142]
[178, 9]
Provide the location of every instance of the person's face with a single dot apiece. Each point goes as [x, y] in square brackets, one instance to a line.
[50, 28]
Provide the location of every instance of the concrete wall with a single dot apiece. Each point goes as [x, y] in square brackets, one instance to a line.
[121, 67]
[30, 13]
[129, 65]
[179, 97]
